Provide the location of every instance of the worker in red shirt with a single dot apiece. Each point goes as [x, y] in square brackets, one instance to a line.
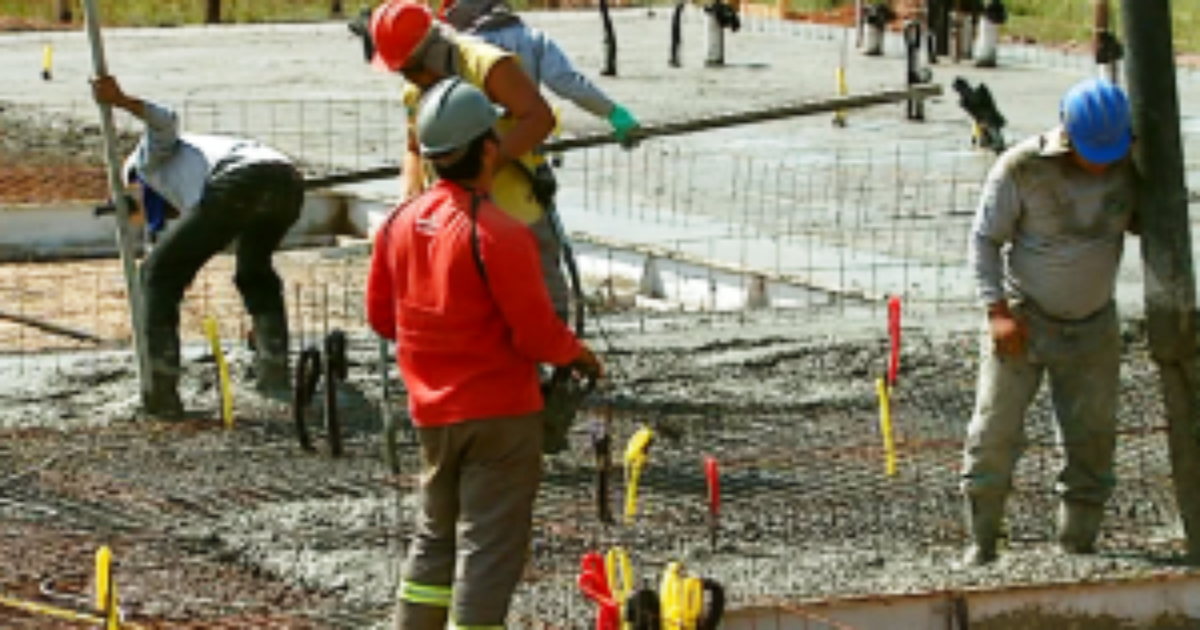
[449, 281]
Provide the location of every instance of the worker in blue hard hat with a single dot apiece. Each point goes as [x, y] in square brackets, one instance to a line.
[1045, 247]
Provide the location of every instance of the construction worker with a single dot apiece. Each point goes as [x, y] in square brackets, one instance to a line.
[220, 190]
[541, 57]
[1046, 244]
[409, 41]
[449, 281]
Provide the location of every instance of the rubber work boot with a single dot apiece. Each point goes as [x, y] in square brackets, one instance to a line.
[271, 356]
[162, 401]
[984, 520]
[1078, 527]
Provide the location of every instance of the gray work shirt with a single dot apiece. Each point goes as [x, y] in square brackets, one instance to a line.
[1050, 232]
[178, 166]
[545, 62]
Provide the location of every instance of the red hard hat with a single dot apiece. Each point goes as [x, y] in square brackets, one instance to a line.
[397, 28]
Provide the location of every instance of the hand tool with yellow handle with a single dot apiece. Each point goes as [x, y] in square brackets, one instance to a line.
[620, 578]
[682, 599]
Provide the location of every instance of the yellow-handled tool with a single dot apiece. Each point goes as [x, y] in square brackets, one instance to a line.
[682, 599]
[620, 578]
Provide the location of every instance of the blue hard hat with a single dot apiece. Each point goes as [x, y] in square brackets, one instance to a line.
[1095, 115]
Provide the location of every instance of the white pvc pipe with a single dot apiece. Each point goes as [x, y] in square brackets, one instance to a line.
[714, 40]
[116, 186]
[986, 43]
[874, 45]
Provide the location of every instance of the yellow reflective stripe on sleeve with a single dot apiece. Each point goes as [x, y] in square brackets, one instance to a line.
[425, 594]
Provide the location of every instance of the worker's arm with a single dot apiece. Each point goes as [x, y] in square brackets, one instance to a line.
[994, 226]
[412, 171]
[514, 276]
[380, 298]
[162, 125]
[508, 86]
[560, 75]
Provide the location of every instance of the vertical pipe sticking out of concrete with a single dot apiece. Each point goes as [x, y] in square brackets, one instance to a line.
[116, 187]
[1107, 51]
[1170, 294]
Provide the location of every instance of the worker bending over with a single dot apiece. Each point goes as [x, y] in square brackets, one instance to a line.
[221, 190]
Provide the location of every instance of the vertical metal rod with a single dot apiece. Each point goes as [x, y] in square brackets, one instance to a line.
[116, 187]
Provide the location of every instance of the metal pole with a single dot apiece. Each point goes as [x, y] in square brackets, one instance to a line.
[1105, 47]
[125, 233]
[1170, 294]
[63, 11]
[918, 92]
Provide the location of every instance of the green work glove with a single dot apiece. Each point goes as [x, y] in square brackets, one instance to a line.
[623, 124]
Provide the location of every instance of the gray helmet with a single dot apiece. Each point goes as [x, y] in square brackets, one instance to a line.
[450, 115]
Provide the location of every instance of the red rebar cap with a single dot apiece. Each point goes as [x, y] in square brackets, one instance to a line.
[398, 27]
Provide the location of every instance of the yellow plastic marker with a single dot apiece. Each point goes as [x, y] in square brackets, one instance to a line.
[885, 426]
[47, 61]
[839, 117]
[636, 454]
[106, 589]
[214, 339]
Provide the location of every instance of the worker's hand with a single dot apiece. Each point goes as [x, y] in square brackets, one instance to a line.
[586, 364]
[106, 90]
[625, 126]
[1009, 332]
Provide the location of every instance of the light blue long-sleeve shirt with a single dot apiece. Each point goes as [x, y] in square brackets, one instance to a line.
[178, 166]
[546, 63]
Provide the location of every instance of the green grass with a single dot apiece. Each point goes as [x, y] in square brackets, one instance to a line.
[1060, 21]
[1046, 21]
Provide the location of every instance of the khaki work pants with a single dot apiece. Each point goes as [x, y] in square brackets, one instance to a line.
[1082, 359]
[479, 480]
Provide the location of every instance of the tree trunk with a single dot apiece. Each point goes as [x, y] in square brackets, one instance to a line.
[212, 12]
[63, 11]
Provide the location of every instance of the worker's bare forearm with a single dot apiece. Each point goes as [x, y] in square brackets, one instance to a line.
[133, 105]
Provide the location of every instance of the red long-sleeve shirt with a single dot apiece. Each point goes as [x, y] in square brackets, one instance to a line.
[468, 347]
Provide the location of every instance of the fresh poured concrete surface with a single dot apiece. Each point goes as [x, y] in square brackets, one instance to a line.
[769, 63]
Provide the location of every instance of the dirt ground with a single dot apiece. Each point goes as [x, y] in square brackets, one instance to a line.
[214, 527]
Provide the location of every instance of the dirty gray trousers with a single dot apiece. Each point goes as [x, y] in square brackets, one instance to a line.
[479, 480]
[550, 254]
[1082, 359]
